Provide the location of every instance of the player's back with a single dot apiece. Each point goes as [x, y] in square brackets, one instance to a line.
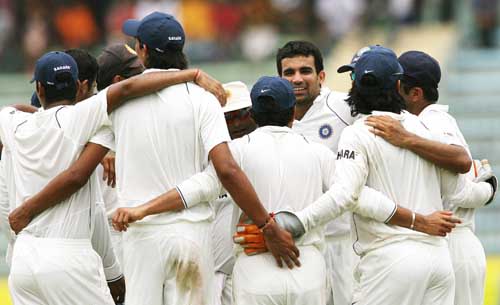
[162, 139]
[287, 171]
[403, 176]
[41, 145]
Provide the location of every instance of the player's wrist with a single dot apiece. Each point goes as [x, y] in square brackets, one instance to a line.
[420, 223]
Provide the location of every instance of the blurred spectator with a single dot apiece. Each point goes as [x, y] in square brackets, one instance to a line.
[35, 39]
[76, 25]
[118, 13]
[146, 7]
[485, 12]
[6, 22]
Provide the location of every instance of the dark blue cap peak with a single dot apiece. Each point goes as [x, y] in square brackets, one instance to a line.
[355, 58]
[52, 64]
[420, 69]
[279, 89]
[382, 65]
[159, 31]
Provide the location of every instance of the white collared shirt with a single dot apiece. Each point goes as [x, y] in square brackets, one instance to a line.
[323, 123]
[403, 176]
[439, 121]
[162, 139]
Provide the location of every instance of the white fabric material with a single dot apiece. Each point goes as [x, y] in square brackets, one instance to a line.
[398, 173]
[162, 139]
[469, 264]
[439, 121]
[467, 253]
[223, 289]
[257, 280]
[103, 245]
[323, 123]
[39, 146]
[169, 264]
[57, 272]
[222, 233]
[109, 195]
[406, 273]
[340, 263]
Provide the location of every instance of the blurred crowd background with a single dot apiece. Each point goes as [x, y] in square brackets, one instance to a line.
[217, 30]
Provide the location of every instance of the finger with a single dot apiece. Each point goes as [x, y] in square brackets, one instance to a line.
[449, 213]
[288, 261]
[278, 260]
[247, 228]
[294, 258]
[248, 238]
[254, 251]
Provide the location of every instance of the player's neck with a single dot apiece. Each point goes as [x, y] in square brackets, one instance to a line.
[302, 108]
[58, 103]
[418, 107]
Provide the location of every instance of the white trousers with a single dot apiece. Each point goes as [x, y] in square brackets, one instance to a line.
[168, 264]
[340, 263]
[223, 289]
[257, 280]
[117, 241]
[48, 271]
[406, 273]
[469, 264]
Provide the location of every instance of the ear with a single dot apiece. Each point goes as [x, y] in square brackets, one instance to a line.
[321, 76]
[416, 94]
[40, 92]
[117, 78]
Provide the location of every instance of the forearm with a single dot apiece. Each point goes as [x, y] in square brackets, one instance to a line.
[403, 217]
[167, 202]
[66, 183]
[145, 84]
[451, 157]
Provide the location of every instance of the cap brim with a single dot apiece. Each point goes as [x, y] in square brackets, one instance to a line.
[345, 68]
[130, 27]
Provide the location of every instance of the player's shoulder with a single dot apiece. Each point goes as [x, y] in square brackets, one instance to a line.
[336, 103]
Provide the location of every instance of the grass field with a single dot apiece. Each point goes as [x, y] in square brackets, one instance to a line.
[492, 294]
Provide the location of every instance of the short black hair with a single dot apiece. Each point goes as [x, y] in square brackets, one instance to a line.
[385, 100]
[87, 65]
[273, 115]
[299, 48]
[168, 59]
[431, 94]
[52, 94]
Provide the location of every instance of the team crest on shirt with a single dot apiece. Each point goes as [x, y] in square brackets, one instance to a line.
[325, 131]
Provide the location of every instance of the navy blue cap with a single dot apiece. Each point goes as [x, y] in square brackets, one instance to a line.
[52, 64]
[159, 31]
[279, 89]
[420, 69]
[357, 55]
[382, 65]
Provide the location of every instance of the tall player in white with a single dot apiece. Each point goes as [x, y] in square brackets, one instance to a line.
[419, 88]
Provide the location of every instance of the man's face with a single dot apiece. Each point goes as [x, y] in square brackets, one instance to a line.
[306, 81]
[141, 52]
[239, 123]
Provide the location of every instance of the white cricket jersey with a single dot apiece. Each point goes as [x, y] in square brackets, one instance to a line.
[323, 123]
[41, 145]
[410, 181]
[287, 171]
[109, 194]
[439, 121]
[162, 139]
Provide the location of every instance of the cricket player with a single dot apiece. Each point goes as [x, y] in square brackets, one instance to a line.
[58, 235]
[419, 88]
[239, 124]
[161, 140]
[265, 154]
[398, 266]
[321, 115]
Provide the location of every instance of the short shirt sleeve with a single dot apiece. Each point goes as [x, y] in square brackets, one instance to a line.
[87, 117]
[104, 137]
[443, 127]
[213, 126]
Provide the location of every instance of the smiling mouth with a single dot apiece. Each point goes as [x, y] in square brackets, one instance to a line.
[295, 90]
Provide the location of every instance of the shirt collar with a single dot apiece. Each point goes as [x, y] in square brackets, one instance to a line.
[437, 107]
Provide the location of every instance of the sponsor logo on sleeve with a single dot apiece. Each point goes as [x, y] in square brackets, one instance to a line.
[346, 154]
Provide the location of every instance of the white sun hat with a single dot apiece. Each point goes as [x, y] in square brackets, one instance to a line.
[238, 96]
